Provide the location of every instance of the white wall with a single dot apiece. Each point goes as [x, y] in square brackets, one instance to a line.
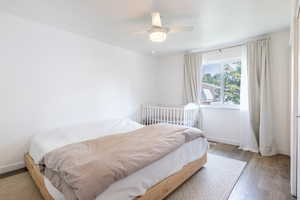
[51, 78]
[224, 124]
[170, 79]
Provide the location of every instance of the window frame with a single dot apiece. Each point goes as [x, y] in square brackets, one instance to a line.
[221, 104]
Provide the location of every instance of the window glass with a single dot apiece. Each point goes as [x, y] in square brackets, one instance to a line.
[221, 82]
[232, 82]
[211, 83]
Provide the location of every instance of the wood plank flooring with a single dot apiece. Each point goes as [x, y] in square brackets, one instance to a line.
[264, 178]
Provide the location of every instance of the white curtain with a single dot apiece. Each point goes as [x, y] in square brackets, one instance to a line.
[192, 80]
[248, 140]
[260, 97]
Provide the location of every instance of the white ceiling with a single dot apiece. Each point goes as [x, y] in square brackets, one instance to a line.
[114, 21]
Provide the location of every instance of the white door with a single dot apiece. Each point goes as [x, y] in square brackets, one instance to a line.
[295, 102]
[297, 64]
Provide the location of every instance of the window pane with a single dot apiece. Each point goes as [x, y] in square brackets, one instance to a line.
[232, 82]
[211, 83]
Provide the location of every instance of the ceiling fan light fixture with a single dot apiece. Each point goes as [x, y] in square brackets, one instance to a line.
[158, 36]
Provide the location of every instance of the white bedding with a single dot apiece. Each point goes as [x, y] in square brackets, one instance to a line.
[45, 142]
[135, 184]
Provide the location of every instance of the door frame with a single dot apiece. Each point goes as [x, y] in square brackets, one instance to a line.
[295, 190]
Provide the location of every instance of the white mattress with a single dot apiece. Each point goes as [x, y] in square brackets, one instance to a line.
[133, 185]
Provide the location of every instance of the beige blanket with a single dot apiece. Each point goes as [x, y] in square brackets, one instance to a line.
[84, 170]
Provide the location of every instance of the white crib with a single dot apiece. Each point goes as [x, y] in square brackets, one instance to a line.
[186, 115]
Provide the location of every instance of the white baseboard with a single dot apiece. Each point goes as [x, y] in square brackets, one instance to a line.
[224, 141]
[284, 152]
[11, 167]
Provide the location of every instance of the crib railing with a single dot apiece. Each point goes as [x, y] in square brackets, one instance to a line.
[179, 115]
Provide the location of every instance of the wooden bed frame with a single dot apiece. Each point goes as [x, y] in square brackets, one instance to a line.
[157, 192]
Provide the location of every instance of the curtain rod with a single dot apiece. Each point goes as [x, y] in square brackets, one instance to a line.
[218, 49]
[237, 44]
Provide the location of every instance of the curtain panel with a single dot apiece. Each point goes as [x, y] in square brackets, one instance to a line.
[192, 81]
[192, 78]
[260, 95]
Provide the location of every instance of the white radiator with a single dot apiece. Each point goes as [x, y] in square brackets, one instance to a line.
[186, 115]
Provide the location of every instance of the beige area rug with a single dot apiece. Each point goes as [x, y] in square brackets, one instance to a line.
[213, 182]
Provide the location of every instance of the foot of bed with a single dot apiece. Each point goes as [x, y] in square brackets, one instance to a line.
[157, 192]
[168, 185]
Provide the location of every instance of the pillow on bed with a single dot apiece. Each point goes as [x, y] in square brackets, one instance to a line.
[45, 142]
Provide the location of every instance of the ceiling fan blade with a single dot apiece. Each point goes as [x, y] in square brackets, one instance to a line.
[176, 29]
[156, 20]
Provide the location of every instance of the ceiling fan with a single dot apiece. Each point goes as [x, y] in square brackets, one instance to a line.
[158, 33]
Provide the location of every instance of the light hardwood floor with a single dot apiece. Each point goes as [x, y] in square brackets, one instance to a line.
[263, 178]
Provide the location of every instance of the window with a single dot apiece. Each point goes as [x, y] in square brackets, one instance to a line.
[221, 81]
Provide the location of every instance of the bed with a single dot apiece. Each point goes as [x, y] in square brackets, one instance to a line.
[153, 182]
